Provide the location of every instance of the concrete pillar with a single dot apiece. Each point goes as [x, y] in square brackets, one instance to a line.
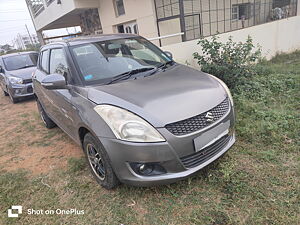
[40, 37]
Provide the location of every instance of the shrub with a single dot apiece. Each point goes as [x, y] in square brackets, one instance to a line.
[232, 62]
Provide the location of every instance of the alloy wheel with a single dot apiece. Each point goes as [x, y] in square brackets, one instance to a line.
[96, 161]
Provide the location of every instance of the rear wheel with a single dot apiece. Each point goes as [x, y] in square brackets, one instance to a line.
[45, 118]
[99, 162]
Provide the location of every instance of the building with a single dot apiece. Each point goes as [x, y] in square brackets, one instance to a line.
[172, 20]
[25, 41]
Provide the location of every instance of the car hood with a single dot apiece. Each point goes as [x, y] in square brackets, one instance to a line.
[25, 73]
[178, 93]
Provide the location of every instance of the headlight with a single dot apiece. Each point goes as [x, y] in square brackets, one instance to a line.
[128, 126]
[15, 80]
[225, 87]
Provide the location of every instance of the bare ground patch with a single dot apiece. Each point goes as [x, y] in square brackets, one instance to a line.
[27, 144]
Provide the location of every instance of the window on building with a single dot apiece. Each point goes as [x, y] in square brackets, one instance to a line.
[119, 7]
[58, 63]
[235, 12]
[128, 30]
[167, 8]
[209, 17]
[241, 11]
[281, 3]
[120, 28]
[192, 27]
[135, 29]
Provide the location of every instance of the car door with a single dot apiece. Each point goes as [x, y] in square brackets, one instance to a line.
[41, 72]
[64, 111]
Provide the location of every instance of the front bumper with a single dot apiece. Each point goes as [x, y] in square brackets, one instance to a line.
[168, 154]
[20, 90]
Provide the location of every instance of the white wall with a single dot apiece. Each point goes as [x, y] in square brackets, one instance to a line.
[140, 11]
[278, 36]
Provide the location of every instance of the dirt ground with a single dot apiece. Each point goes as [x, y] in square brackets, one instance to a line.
[26, 144]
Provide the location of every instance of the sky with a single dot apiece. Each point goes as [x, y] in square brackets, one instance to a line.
[14, 15]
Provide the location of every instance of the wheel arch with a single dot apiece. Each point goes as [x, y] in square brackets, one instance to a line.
[82, 131]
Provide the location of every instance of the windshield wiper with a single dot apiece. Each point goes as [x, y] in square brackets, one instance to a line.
[160, 67]
[127, 75]
[164, 65]
[23, 67]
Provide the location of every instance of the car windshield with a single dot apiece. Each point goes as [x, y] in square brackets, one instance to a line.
[20, 61]
[102, 61]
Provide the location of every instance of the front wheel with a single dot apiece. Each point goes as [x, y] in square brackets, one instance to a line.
[13, 100]
[99, 162]
[5, 93]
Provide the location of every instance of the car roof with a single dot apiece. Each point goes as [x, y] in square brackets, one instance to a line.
[92, 39]
[18, 53]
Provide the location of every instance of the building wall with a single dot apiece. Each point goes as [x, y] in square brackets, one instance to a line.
[54, 11]
[277, 36]
[141, 11]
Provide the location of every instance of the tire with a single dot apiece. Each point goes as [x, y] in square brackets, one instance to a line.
[103, 172]
[5, 93]
[13, 100]
[45, 118]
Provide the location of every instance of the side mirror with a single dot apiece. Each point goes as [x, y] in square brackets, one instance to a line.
[169, 54]
[54, 81]
[1, 70]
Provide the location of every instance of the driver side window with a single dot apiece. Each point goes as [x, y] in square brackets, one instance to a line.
[58, 62]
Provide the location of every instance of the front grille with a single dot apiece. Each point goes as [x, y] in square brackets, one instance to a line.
[27, 81]
[198, 122]
[205, 154]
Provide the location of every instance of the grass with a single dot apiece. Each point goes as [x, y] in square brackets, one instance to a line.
[256, 182]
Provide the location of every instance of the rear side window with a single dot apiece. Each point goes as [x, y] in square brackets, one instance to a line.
[58, 63]
[44, 61]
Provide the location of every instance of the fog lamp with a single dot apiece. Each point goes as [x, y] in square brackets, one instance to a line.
[147, 169]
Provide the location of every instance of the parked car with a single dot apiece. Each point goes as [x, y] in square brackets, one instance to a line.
[140, 117]
[16, 74]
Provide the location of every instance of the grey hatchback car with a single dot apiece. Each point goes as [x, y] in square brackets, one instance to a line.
[16, 74]
[141, 118]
